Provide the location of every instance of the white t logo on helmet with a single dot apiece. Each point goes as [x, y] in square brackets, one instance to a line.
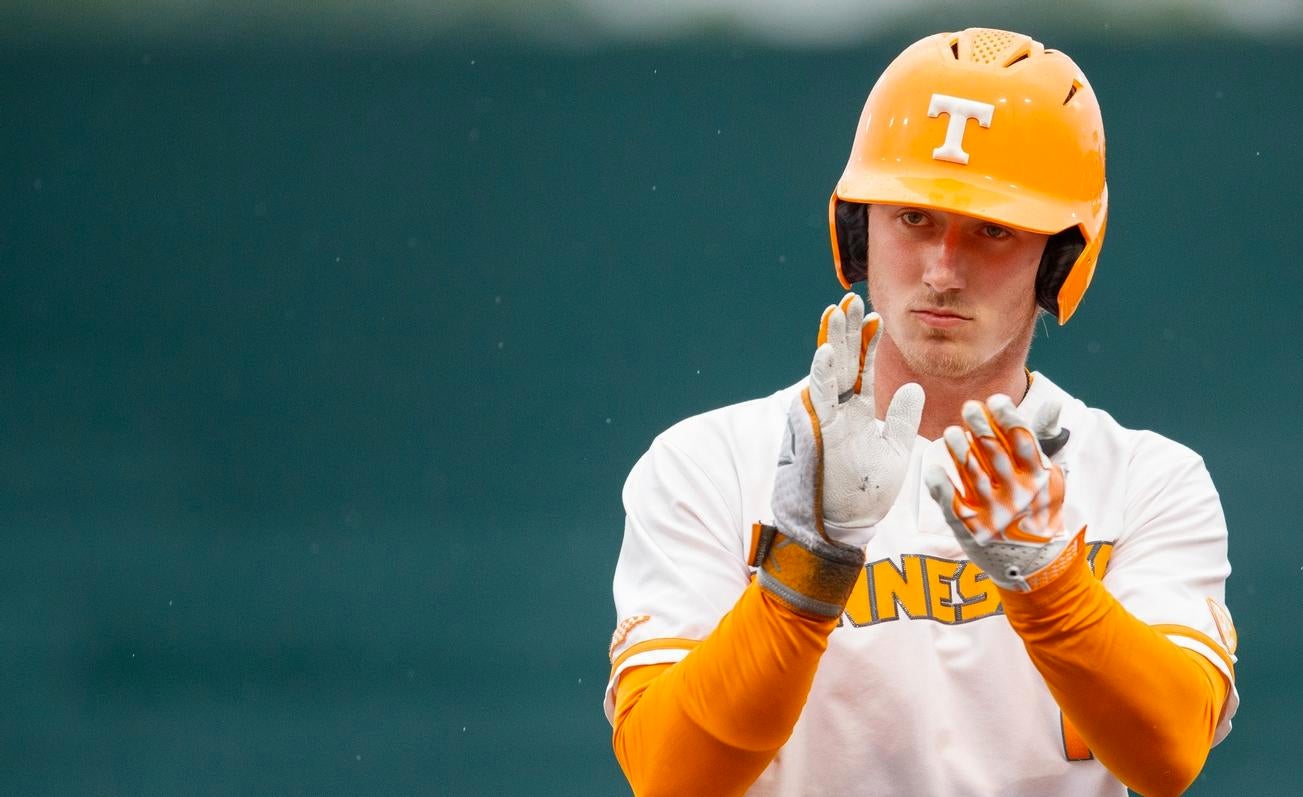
[960, 111]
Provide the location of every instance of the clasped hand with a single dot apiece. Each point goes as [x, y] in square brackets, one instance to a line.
[1006, 511]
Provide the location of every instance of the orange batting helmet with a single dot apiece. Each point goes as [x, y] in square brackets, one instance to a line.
[1032, 158]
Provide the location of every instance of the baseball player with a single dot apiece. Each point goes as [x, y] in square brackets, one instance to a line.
[925, 569]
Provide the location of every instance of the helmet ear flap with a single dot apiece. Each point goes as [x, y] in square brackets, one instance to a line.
[1061, 254]
[851, 223]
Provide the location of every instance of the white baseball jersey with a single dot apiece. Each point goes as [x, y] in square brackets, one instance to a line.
[924, 687]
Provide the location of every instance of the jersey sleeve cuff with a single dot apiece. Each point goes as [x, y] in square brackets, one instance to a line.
[1190, 639]
[651, 651]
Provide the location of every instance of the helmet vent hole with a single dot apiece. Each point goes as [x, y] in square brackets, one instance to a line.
[954, 48]
[1072, 92]
[1017, 58]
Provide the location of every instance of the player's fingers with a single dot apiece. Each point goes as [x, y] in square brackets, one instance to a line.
[900, 426]
[1046, 422]
[1050, 436]
[849, 368]
[870, 335]
[1050, 490]
[1017, 435]
[1054, 513]
[987, 443]
[835, 334]
[823, 383]
[834, 328]
[939, 486]
[959, 444]
[942, 491]
[823, 325]
[853, 306]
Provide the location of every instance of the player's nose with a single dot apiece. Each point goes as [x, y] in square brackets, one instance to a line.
[943, 270]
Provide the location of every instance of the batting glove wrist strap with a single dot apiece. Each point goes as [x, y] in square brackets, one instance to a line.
[1022, 568]
[1067, 558]
[815, 583]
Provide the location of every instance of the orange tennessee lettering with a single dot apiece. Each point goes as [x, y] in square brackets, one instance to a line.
[892, 588]
[857, 607]
[926, 587]
[1097, 556]
[940, 590]
[978, 596]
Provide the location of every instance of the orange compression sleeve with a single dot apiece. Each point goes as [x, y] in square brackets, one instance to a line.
[1146, 707]
[719, 715]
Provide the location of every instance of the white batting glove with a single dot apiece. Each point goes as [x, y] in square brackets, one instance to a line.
[840, 468]
[1007, 513]
[864, 459]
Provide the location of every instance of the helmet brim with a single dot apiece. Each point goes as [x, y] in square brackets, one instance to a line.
[1011, 205]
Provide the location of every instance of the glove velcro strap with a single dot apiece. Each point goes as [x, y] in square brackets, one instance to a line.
[814, 583]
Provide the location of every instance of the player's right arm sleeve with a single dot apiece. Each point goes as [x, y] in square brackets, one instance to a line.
[718, 716]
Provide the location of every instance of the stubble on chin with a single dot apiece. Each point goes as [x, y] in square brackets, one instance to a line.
[940, 353]
[936, 355]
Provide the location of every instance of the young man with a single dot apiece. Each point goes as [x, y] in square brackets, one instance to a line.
[989, 587]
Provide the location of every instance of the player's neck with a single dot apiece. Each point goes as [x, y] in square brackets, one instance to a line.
[945, 396]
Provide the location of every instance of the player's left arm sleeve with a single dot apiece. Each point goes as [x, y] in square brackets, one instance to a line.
[1142, 662]
[1147, 708]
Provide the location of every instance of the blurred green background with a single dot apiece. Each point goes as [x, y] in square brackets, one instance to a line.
[329, 337]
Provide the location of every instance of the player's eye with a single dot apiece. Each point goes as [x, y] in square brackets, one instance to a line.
[996, 232]
[913, 218]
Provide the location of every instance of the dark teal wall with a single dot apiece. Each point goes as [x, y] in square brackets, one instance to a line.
[321, 375]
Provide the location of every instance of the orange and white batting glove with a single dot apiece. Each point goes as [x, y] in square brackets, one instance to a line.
[1007, 511]
[839, 469]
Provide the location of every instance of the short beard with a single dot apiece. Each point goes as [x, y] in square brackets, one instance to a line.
[945, 364]
[939, 364]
